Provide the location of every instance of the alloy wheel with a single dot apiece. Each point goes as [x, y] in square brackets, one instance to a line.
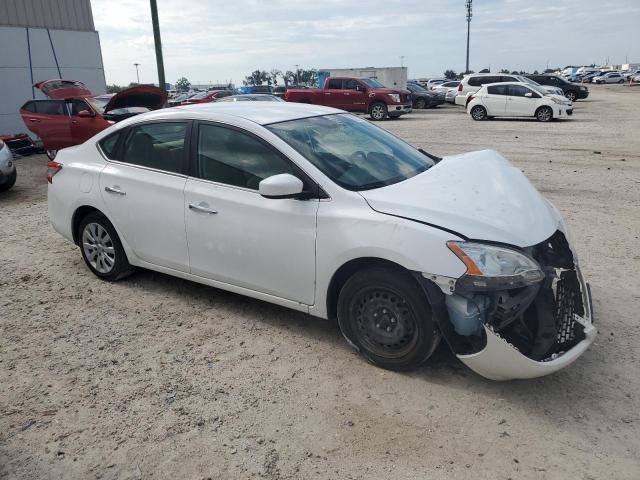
[571, 96]
[377, 112]
[478, 113]
[98, 248]
[544, 114]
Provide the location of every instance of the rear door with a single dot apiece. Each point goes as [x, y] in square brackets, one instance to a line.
[354, 96]
[49, 119]
[518, 104]
[333, 93]
[495, 100]
[143, 189]
[238, 237]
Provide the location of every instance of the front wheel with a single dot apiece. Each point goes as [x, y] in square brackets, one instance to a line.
[101, 248]
[544, 114]
[378, 111]
[383, 313]
[621, 81]
[421, 103]
[571, 95]
[478, 113]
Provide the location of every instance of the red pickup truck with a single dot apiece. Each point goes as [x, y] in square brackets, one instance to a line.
[356, 95]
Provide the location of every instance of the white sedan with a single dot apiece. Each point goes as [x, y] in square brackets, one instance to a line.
[323, 212]
[512, 99]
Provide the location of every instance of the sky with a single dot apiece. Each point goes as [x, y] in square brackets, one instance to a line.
[220, 41]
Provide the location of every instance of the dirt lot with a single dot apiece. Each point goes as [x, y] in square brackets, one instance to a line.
[156, 377]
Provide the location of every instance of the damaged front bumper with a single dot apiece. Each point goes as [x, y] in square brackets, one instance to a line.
[523, 332]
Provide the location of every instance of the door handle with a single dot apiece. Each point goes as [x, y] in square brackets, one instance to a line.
[114, 190]
[202, 208]
[34, 120]
[75, 122]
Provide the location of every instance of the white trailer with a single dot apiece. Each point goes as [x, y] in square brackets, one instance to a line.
[391, 77]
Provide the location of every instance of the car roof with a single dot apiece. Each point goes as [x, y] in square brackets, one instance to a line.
[261, 113]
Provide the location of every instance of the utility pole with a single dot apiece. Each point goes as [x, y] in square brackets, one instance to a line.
[297, 75]
[158, 42]
[401, 60]
[469, 15]
[137, 74]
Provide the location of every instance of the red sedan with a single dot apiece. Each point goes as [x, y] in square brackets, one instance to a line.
[206, 97]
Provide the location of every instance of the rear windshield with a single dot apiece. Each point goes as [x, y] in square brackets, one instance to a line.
[100, 103]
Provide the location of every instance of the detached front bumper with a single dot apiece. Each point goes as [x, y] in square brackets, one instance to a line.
[395, 110]
[499, 360]
[519, 332]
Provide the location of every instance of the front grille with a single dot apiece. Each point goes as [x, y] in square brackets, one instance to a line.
[568, 299]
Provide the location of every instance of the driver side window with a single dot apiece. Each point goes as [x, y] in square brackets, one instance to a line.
[518, 90]
[229, 156]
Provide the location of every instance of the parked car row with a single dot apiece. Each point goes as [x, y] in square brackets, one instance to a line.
[8, 174]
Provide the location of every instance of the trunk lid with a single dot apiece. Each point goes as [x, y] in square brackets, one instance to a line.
[59, 89]
[480, 195]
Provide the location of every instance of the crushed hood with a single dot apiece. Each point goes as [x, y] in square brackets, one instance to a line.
[60, 89]
[146, 96]
[480, 195]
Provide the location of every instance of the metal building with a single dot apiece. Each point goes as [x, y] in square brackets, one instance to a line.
[40, 40]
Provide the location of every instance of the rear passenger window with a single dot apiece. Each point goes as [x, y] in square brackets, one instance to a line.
[156, 145]
[29, 107]
[235, 158]
[474, 81]
[335, 84]
[497, 89]
[51, 107]
[108, 145]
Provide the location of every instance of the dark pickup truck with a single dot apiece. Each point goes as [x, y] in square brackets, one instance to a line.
[356, 95]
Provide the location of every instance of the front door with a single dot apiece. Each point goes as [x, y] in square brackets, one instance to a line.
[83, 128]
[144, 193]
[518, 104]
[354, 96]
[235, 235]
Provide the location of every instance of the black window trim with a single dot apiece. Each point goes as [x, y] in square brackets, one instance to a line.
[125, 134]
[314, 192]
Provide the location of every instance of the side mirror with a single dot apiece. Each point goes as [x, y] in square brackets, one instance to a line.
[283, 185]
[85, 114]
[360, 88]
[528, 95]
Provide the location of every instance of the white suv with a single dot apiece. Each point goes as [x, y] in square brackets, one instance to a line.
[609, 77]
[472, 83]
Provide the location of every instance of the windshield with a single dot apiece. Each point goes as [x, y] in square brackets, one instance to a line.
[351, 151]
[370, 82]
[412, 87]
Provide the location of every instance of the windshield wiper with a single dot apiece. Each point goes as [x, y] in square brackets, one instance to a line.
[431, 156]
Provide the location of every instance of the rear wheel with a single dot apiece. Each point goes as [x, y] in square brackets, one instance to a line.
[384, 314]
[479, 113]
[544, 114]
[101, 248]
[378, 111]
[51, 154]
[10, 181]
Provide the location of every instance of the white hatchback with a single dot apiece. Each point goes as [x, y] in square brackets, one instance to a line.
[323, 212]
[513, 99]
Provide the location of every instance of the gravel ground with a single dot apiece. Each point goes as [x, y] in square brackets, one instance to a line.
[156, 377]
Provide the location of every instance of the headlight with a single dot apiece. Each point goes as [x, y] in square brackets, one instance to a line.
[395, 97]
[490, 267]
[559, 102]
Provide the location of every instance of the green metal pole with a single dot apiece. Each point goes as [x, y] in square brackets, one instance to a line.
[158, 42]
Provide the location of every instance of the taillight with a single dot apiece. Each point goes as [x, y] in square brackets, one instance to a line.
[53, 168]
[460, 87]
[469, 98]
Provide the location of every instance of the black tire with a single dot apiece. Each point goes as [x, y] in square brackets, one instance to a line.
[544, 114]
[119, 265]
[571, 95]
[51, 154]
[621, 81]
[421, 103]
[384, 314]
[478, 113]
[378, 111]
[10, 181]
